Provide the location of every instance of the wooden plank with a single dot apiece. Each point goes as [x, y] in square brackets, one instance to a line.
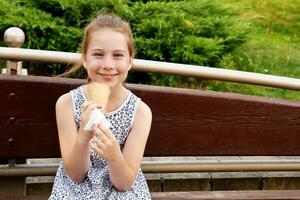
[208, 195]
[190, 122]
[24, 198]
[245, 195]
[185, 122]
[27, 118]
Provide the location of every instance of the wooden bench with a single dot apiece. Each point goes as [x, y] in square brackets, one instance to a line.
[185, 123]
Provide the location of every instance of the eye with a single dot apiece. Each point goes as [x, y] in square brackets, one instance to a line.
[118, 55]
[97, 54]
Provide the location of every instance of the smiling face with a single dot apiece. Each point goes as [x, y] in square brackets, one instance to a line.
[107, 58]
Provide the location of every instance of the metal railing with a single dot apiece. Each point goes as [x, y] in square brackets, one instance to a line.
[168, 167]
[19, 54]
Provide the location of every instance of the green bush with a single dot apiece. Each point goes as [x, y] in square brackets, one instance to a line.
[198, 32]
[42, 31]
[195, 32]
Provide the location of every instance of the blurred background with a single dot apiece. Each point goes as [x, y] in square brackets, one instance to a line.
[248, 35]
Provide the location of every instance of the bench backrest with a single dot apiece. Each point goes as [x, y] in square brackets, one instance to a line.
[185, 122]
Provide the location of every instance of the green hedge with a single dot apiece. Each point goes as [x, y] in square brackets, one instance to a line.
[196, 32]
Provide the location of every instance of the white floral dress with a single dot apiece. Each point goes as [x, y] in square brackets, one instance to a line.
[97, 184]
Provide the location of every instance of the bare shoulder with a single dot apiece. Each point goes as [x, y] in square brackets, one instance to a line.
[64, 110]
[144, 111]
[63, 102]
[143, 118]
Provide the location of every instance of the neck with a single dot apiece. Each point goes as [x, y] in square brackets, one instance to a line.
[116, 98]
[117, 92]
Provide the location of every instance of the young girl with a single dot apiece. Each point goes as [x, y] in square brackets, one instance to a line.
[103, 163]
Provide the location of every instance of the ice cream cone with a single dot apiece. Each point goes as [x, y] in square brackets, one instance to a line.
[99, 92]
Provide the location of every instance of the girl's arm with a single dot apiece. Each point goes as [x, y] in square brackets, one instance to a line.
[123, 166]
[74, 144]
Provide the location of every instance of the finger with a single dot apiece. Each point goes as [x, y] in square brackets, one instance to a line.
[91, 107]
[97, 149]
[98, 142]
[106, 131]
[86, 104]
[88, 111]
[100, 134]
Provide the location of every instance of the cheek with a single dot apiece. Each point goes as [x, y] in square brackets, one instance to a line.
[126, 67]
[92, 66]
[123, 71]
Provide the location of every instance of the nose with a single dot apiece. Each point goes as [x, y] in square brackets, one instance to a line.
[108, 63]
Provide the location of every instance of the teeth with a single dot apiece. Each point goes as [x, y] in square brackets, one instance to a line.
[107, 74]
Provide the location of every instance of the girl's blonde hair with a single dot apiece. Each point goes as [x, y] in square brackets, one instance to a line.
[103, 21]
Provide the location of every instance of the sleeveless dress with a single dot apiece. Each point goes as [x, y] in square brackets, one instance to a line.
[97, 184]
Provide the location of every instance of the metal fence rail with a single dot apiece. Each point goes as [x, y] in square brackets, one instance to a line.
[167, 167]
[19, 54]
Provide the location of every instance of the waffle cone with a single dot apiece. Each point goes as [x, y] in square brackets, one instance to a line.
[99, 92]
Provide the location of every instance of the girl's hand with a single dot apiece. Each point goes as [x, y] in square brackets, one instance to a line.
[87, 107]
[105, 143]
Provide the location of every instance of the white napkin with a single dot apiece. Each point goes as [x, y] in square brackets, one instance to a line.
[96, 117]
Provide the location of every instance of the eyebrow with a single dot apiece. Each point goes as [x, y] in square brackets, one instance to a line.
[118, 50]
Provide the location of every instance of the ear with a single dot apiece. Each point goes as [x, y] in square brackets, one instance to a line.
[130, 63]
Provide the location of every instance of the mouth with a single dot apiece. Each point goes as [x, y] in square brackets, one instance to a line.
[108, 76]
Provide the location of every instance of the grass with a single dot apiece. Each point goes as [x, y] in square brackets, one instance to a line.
[273, 46]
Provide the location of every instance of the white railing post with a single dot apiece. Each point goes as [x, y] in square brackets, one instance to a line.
[14, 37]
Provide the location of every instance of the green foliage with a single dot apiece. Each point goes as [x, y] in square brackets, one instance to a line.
[42, 31]
[76, 13]
[196, 32]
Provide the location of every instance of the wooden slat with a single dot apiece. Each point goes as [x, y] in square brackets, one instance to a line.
[208, 195]
[245, 195]
[191, 122]
[25, 198]
[185, 122]
[31, 101]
